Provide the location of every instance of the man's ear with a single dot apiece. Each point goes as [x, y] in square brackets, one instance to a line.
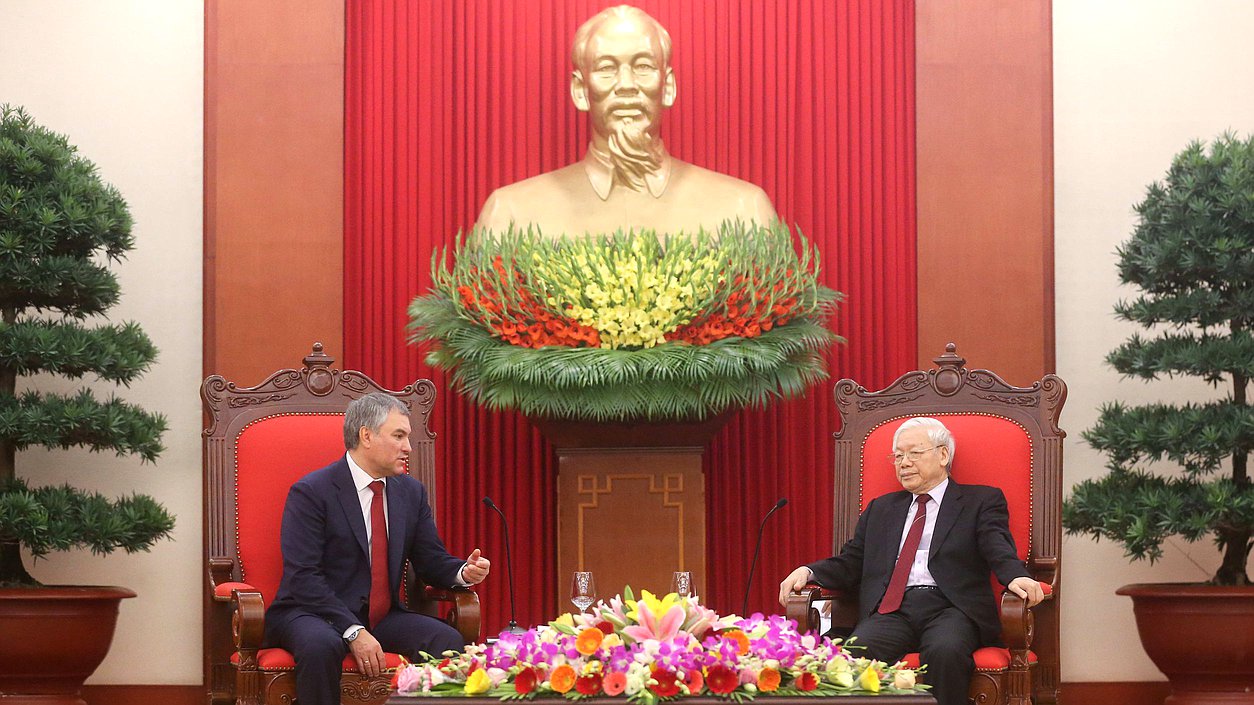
[578, 92]
[364, 437]
[669, 88]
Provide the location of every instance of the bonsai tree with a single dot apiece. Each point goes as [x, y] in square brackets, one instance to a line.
[59, 226]
[1192, 256]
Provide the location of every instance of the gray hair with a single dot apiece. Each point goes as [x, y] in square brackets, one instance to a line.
[587, 29]
[369, 412]
[936, 432]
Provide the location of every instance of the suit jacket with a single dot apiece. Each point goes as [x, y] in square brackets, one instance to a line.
[971, 539]
[326, 560]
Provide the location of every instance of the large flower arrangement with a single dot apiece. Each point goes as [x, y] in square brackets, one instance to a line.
[629, 325]
[651, 649]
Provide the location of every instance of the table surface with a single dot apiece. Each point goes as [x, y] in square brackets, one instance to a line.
[922, 699]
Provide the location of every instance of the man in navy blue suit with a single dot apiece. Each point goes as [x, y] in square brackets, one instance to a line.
[920, 560]
[347, 530]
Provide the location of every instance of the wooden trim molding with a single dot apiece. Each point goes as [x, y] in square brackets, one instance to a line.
[984, 120]
[132, 694]
[1115, 693]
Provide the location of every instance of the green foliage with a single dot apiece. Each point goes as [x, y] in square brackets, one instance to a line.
[60, 226]
[60, 518]
[1192, 256]
[470, 319]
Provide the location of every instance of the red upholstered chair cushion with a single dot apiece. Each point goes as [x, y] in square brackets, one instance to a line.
[270, 454]
[281, 660]
[988, 658]
[988, 450]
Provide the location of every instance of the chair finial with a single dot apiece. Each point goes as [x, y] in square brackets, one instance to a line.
[948, 378]
[317, 358]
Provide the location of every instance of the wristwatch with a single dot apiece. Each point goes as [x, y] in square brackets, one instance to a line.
[354, 634]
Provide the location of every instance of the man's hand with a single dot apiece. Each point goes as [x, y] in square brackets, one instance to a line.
[1028, 589]
[794, 582]
[476, 568]
[368, 653]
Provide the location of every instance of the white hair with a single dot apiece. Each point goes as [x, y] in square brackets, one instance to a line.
[936, 432]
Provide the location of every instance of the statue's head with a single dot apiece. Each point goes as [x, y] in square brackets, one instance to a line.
[622, 74]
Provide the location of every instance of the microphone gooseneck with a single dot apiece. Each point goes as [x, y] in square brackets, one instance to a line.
[513, 627]
[744, 609]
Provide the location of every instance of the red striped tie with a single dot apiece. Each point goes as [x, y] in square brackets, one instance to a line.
[380, 600]
[901, 572]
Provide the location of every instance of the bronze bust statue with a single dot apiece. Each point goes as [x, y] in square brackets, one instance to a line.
[623, 79]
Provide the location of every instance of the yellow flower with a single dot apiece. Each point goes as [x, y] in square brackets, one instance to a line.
[478, 682]
[869, 680]
[565, 620]
[658, 606]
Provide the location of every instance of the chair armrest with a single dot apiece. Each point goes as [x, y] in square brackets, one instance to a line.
[223, 592]
[248, 625]
[800, 607]
[463, 615]
[1017, 620]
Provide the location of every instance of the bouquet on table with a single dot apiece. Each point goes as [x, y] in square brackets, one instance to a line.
[656, 648]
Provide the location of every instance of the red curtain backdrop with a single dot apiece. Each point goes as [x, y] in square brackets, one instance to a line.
[814, 101]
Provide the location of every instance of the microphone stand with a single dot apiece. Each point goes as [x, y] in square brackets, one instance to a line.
[756, 549]
[513, 627]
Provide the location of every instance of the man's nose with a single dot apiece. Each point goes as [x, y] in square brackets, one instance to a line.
[626, 79]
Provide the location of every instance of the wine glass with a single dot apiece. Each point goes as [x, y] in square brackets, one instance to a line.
[583, 590]
[681, 583]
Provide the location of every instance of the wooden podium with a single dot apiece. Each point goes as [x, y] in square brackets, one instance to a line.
[630, 502]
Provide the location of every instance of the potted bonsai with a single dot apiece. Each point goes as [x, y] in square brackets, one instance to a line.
[1192, 256]
[60, 225]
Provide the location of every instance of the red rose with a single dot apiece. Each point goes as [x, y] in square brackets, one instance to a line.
[589, 684]
[525, 681]
[667, 684]
[721, 679]
[807, 681]
[605, 627]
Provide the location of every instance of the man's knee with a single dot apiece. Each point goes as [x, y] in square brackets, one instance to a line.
[445, 638]
[320, 649]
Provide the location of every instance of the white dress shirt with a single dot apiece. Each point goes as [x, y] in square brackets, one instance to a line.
[919, 574]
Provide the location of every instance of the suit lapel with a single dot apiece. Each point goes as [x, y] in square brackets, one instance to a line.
[897, 510]
[351, 504]
[950, 508]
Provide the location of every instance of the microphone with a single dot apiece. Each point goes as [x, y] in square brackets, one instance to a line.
[744, 610]
[513, 627]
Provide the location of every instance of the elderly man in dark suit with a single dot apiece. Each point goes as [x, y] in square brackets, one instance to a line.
[920, 559]
[347, 530]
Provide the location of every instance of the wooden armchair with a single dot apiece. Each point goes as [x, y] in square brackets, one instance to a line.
[260, 440]
[1005, 436]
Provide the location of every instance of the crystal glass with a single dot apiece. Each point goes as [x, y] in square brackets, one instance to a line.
[681, 583]
[583, 590]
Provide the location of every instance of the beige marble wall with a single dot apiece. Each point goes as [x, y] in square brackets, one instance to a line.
[1134, 81]
[123, 79]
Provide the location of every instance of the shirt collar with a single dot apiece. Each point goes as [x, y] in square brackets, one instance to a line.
[937, 493]
[601, 175]
[361, 480]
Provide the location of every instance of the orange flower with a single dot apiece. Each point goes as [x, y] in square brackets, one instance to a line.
[768, 680]
[741, 639]
[589, 641]
[562, 679]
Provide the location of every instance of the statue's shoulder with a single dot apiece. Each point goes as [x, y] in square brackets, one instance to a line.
[525, 201]
[735, 196]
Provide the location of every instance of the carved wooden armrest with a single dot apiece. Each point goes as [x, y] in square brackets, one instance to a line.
[463, 615]
[800, 607]
[248, 624]
[1018, 622]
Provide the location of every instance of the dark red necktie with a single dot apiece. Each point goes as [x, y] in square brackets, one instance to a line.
[380, 600]
[901, 572]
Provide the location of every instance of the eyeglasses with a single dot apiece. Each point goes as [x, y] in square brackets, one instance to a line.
[913, 455]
